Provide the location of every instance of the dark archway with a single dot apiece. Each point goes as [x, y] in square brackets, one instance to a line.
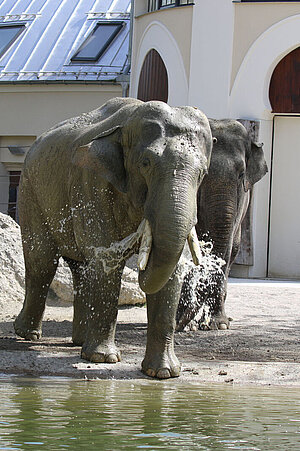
[284, 91]
[153, 82]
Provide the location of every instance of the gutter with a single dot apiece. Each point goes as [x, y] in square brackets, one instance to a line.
[60, 82]
[130, 35]
[124, 77]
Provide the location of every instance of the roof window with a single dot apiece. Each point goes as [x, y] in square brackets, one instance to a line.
[98, 41]
[8, 34]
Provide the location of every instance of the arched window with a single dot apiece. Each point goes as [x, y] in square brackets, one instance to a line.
[153, 82]
[284, 91]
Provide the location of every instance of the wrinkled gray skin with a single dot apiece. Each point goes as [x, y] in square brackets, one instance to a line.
[89, 182]
[237, 163]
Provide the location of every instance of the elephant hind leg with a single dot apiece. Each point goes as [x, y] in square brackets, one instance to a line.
[190, 303]
[219, 319]
[38, 278]
[28, 323]
[41, 260]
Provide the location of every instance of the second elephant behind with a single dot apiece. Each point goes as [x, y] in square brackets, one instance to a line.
[237, 163]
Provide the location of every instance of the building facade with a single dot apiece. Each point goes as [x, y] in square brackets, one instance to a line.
[241, 60]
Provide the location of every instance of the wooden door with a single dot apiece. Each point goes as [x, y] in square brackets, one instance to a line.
[284, 238]
[153, 82]
[284, 91]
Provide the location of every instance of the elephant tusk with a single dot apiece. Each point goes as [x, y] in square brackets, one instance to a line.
[194, 246]
[145, 247]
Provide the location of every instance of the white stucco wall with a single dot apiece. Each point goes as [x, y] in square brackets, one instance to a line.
[249, 99]
[249, 95]
[157, 36]
[251, 20]
[225, 78]
[211, 56]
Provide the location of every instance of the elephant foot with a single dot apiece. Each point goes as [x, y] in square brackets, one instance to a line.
[101, 354]
[79, 331]
[219, 321]
[161, 366]
[78, 338]
[27, 328]
[77, 341]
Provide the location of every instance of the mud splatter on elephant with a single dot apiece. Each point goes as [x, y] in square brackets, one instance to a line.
[88, 183]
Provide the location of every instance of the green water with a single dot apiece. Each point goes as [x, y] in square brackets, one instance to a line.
[54, 414]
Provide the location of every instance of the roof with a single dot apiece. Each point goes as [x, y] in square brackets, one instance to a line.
[54, 31]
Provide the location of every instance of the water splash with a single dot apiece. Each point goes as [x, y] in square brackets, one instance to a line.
[201, 285]
[111, 257]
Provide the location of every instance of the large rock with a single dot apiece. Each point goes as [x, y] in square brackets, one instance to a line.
[12, 282]
[130, 292]
[12, 273]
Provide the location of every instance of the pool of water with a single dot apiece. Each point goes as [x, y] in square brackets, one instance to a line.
[54, 414]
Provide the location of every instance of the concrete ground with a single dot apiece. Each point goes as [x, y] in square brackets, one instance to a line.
[262, 346]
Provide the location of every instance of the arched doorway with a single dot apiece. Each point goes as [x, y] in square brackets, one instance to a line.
[284, 91]
[153, 81]
[284, 235]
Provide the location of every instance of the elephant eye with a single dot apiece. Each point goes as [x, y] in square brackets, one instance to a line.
[242, 174]
[145, 163]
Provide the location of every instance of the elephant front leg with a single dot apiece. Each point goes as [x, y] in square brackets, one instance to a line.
[160, 360]
[102, 300]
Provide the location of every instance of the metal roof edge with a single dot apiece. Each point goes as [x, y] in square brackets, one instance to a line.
[60, 82]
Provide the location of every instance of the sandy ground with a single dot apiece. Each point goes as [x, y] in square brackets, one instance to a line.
[262, 346]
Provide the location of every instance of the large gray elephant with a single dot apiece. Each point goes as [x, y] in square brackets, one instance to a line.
[86, 186]
[237, 163]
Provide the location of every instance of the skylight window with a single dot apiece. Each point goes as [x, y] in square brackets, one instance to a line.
[8, 34]
[98, 41]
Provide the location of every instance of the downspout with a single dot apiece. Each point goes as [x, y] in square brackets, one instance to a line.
[130, 36]
[124, 77]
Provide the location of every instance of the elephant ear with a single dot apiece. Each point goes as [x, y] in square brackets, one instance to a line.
[104, 154]
[256, 166]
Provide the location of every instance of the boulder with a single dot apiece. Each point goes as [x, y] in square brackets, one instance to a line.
[130, 292]
[12, 272]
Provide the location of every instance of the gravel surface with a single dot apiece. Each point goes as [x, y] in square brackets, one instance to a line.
[262, 346]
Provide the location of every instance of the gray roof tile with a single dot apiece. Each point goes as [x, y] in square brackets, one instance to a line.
[55, 29]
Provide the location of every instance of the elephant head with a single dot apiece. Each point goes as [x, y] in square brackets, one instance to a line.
[155, 156]
[237, 163]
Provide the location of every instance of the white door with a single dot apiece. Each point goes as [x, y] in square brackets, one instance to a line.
[284, 246]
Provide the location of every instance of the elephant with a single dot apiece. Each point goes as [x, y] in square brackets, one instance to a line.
[90, 187]
[237, 163]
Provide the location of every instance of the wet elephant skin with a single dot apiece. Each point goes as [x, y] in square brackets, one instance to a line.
[88, 183]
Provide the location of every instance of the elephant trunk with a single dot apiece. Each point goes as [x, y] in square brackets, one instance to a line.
[170, 222]
[219, 209]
